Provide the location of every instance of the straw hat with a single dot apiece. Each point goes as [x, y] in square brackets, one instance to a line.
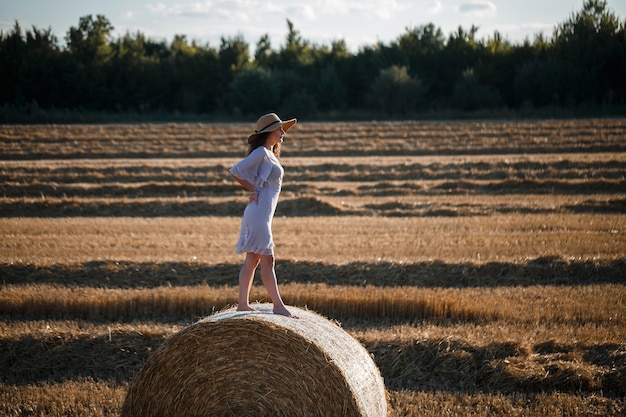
[271, 121]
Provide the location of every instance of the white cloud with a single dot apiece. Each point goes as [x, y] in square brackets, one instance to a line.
[221, 9]
[249, 10]
[478, 8]
[377, 9]
[305, 11]
[333, 7]
[127, 15]
[156, 8]
[432, 7]
[199, 9]
[384, 9]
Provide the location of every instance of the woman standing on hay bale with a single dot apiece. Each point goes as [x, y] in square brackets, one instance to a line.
[261, 174]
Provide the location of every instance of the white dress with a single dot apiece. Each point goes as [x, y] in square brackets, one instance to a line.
[263, 170]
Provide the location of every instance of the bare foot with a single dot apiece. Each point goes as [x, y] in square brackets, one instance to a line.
[245, 308]
[284, 312]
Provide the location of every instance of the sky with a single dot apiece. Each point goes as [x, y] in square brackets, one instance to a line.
[357, 22]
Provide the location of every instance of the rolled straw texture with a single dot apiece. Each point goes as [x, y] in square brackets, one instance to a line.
[258, 364]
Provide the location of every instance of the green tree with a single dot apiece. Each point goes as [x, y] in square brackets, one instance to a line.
[288, 82]
[330, 91]
[419, 46]
[361, 72]
[539, 82]
[263, 52]
[591, 44]
[494, 70]
[461, 52]
[32, 68]
[297, 52]
[135, 76]
[395, 93]
[12, 53]
[41, 70]
[253, 91]
[470, 94]
[234, 57]
[197, 77]
[89, 49]
[89, 43]
[420, 49]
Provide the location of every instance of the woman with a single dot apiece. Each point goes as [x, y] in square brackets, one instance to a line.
[261, 174]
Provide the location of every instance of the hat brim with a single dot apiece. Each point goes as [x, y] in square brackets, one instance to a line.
[286, 125]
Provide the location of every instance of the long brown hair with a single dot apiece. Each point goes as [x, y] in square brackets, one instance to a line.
[258, 139]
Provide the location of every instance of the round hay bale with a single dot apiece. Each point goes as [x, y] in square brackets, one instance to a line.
[258, 364]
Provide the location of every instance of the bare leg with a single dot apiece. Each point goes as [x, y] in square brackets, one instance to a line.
[268, 276]
[246, 276]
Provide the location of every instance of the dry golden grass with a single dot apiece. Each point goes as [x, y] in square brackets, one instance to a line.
[103, 399]
[340, 239]
[481, 263]
[82, 397]
[533, 304]
[487, 405]
[315, 139]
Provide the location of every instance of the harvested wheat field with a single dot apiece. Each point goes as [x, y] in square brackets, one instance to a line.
[482, 265]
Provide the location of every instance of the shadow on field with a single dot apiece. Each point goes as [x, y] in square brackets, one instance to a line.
[304, 206]
[594, 206]
[58, 358]
[288, 207]
[429, 364]
[549, 270]
[503, 367]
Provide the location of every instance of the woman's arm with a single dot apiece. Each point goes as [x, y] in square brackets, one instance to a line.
[244, 183]
[254, 196]
[254, 169]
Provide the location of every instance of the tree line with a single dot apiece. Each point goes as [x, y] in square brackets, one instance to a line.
[582, 65]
